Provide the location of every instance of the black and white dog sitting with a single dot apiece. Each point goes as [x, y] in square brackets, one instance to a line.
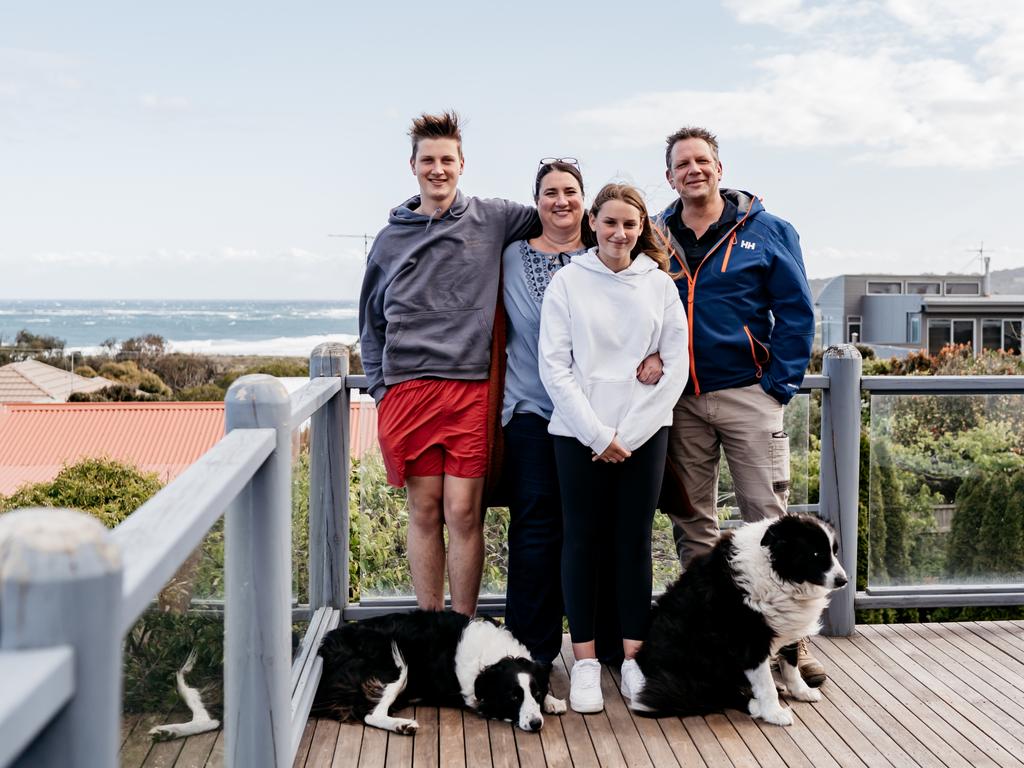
[435, 658]
[714, 632]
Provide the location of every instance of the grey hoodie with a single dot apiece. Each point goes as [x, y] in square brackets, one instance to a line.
[426, 308]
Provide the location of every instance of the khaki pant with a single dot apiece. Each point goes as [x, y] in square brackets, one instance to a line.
[747, 423]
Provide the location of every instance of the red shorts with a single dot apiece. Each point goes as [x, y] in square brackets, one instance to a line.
[433, 427]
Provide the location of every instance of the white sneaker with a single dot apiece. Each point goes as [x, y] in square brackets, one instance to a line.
[632, 679]
[585, 686]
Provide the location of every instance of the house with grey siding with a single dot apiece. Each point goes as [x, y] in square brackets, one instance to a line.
[897, 314]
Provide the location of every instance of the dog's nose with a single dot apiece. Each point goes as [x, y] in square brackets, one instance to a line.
[840, 580]
[535, 724]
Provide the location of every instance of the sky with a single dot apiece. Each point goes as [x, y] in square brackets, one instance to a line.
[198, 150]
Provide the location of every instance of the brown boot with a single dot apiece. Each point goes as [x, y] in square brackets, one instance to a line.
[811, 670]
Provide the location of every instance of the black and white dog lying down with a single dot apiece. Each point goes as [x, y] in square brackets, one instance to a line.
[714, 632]
[436, 658]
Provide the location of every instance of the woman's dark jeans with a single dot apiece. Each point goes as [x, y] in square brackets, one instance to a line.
[533, 609]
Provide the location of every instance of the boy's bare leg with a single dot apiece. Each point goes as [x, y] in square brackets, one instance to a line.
[425, 542]
[463, 516]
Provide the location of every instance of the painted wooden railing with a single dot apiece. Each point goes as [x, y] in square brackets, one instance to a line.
[70, 589]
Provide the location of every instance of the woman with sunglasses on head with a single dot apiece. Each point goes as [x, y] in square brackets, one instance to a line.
[534, 595]
[603, 314]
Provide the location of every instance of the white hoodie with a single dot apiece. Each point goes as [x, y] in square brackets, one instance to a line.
[596, 327]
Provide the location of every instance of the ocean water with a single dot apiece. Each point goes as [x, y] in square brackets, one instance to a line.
[206, 327]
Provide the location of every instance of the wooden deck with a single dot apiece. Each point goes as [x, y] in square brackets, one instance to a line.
[929, 694]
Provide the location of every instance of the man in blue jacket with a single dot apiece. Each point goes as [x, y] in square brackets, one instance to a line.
[751, 322]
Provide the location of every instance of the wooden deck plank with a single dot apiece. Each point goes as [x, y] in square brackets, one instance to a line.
[706, 742]
[1013, 632]
[909, 693]
[943, 740]
[967, 651]
[947, 702]
[577, 737]
[503, 744]
[478, 740]
[879, 726]
[846, 728]
[163, 754]
[128, 723]
[304, 741]
[217, 755]
[552, 736]
[1010, 668]
[426, 747]
[975, 689]
[651, 736]
[400, 745]
[323, 743]
[605, 745]
[196, 750]
[943, 650]
[349, 745]
[529, 748]
[374, 749]
[767, 753]
[1008, 642]
[137, 746]
[680, 742]
[630, 744]
[451, 741]
[822, 731]
[731, 741]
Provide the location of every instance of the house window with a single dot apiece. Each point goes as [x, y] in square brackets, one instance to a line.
[991, 334]
[884, 287]
[853, 329]
[932, 289]
[963, 332]
[963, 289]
[1011, 336]
[939, 335]
[913, 327]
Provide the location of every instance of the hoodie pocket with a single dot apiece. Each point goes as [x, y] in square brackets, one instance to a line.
[759, 353]
[610, 398]
[446, 339]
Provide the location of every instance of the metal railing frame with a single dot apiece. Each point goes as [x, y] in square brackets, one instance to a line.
[70, 589]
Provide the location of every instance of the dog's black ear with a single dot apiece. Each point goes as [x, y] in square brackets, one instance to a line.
[770, 536]
[486, 688]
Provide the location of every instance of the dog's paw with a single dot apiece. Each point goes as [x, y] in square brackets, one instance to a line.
[163, 733]
[553, 706]
[406, 727]
[775, 715]
[806, 694]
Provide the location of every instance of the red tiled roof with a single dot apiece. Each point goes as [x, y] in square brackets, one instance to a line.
[36, 440]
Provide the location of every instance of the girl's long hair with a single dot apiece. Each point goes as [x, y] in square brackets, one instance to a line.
[648, 242]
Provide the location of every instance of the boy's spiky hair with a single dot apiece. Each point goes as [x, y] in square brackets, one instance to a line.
[443, 126]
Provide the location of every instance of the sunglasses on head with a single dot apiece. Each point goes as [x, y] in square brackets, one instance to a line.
[567, 160]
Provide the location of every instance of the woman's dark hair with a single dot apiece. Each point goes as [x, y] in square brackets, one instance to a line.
[547, 168]
[586, 233]
[647, 242]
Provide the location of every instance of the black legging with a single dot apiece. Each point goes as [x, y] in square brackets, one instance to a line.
[607, 512]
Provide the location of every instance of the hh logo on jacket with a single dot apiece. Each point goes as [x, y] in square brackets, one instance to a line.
[747, 244]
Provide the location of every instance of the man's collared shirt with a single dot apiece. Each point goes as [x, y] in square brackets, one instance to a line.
[696, 248]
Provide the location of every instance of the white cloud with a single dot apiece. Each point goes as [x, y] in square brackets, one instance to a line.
[908, 100]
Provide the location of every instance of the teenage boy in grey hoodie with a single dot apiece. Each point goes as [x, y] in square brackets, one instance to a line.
[426, 313]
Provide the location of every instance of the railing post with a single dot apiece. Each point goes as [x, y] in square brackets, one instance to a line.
[839, 481]
[257, 575]
[328, 484]
[60, 584]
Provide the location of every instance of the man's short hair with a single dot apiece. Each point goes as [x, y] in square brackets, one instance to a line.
[690, 132]
[443, 126]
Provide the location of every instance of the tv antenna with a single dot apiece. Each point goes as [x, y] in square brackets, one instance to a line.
[365, 237]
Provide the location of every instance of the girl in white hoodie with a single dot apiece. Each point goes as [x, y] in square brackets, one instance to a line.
[602, 315]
